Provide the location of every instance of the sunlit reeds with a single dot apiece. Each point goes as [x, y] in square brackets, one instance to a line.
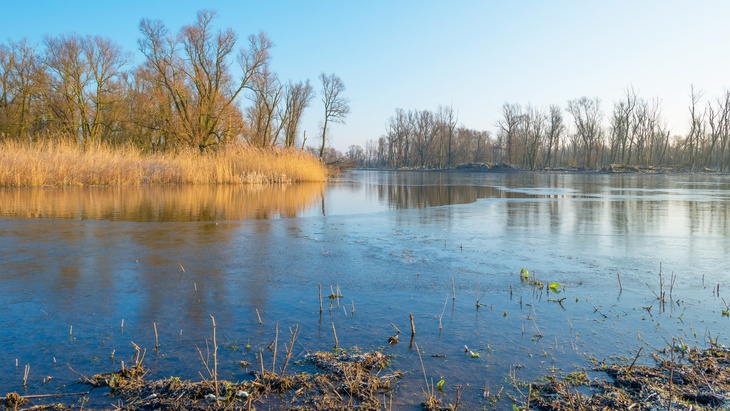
[66, 164]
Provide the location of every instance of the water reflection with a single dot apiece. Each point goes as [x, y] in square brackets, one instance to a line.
[92, 257]
[163, 203]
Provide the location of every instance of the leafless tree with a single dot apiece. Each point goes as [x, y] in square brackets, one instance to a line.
[533, 130]
[447, 120]
[555, 130]
[511, 114]
[193, 69]
[21, 77]
[265, 117]
[336, 106]
[697, 129]
[297, 97]
[587, 121]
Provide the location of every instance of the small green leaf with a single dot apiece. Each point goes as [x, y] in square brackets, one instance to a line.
[440, 385]
[555, 287]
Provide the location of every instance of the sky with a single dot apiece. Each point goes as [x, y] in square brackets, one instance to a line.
[474, 55]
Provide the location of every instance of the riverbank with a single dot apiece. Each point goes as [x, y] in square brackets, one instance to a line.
[610, 169]
[66, 164]
[682, 378]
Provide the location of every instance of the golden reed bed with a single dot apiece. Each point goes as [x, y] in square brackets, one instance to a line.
[67, 164]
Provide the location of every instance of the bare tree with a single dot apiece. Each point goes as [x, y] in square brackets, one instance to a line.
[587, 120]
[265, 116]
[21, 77]
[193, 69]
[336, 107]
[297, 97]
[509, 124]
[447, 120]
[533, 129]
[555, 130]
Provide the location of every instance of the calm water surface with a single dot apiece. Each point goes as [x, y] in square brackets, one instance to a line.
[76, 263]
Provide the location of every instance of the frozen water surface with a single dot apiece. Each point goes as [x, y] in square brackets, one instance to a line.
[77, 262]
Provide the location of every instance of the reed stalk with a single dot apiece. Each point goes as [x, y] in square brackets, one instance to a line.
[334, 331]
[413, 326]
[276, 346]
[157, 340]
[215, 361]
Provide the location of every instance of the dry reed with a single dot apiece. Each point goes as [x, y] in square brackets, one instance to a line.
[56, 164]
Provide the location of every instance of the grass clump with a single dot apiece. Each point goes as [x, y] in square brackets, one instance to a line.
[58, 164]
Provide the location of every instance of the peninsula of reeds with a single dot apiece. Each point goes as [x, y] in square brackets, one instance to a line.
[57, 164]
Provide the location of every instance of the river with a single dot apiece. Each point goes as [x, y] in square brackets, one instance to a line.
[86, 272]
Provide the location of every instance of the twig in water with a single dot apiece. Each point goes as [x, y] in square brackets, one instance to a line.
[60, 394]
[320, 298]
[276, 345]
[290, 349]
[620, 286]
[215, 361]
[476, 295]
[628, 370]
[413, 326]
[157, 341]
[334, 331]
[25, 374]
[259, 316]
[442, 313]
[453, 289]
[423, 368]
[652, 291]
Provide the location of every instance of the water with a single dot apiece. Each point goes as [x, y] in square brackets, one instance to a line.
[77, 262]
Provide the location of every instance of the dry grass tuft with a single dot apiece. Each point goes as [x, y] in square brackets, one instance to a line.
[60, 164]
[682, 379]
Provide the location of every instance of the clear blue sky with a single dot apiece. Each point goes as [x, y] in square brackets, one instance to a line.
[474, 55]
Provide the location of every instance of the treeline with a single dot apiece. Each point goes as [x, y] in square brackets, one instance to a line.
[578, 135]
[188, 93]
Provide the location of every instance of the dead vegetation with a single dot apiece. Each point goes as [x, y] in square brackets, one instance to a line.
[681, 379]
[342, 380]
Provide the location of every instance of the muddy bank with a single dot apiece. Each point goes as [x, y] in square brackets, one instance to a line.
[681, 378]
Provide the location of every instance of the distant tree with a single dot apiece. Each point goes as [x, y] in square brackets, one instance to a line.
[336, 107]
[447, 120]
[587, 120]
[555, 130]
[511, 114]
[697, 129]
[533, 130]
[356, 155]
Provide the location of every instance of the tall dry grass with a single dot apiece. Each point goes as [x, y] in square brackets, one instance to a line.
[67, 164]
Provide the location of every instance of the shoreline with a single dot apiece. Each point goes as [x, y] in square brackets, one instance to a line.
[682, 378]
[508, 169]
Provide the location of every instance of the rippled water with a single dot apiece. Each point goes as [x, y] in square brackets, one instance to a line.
[78, 262]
